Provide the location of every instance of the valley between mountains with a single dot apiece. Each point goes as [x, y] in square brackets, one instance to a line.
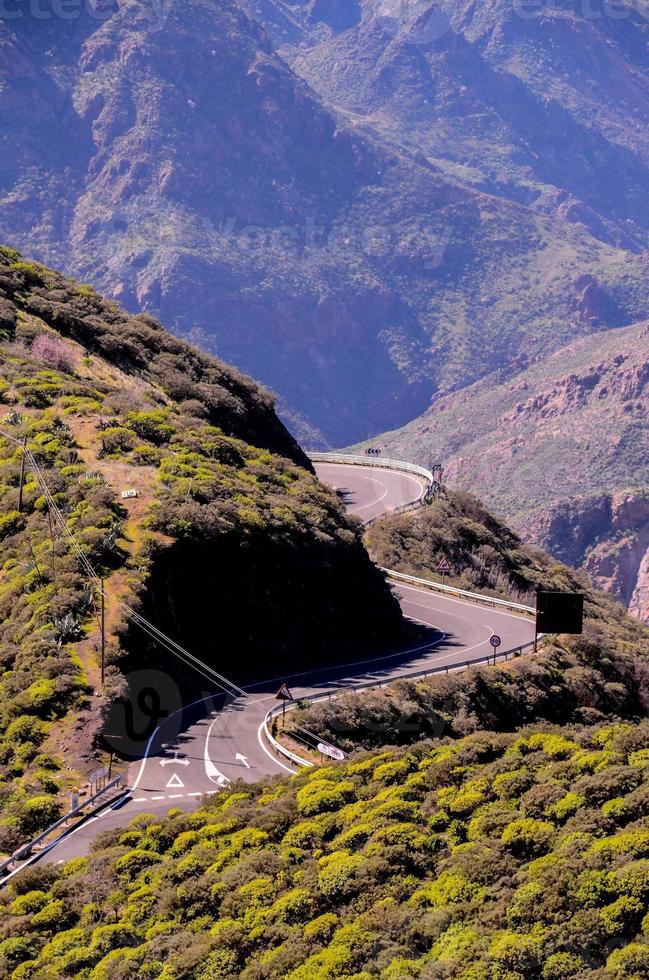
[293, 692]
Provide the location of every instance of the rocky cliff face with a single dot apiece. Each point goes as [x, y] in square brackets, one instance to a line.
[538, 103]
[562, 450]
[609, 538]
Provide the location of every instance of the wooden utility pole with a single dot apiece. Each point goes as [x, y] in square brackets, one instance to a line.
[103, 633]
[22, 475]
[31, 550]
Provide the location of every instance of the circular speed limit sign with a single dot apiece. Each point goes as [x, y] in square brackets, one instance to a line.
[495, 641]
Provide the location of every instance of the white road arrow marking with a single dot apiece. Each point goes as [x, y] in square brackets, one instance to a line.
[181, 762]
[176, 782]
[242, 758]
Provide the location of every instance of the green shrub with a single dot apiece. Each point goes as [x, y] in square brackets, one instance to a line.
[629, 963]
[38, 812]
[562, 966]
[527, 836]
[29, 903]
[153, 426]
[320, 795]
[336, 874]
[30, 273]
[11, 523]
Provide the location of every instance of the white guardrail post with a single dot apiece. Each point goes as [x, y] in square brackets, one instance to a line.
[421, 583]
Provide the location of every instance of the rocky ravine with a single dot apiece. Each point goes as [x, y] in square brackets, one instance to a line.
[561, 450]
[609, 538]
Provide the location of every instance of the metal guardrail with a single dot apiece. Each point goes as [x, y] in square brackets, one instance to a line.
[297, 760]
[25, 850]
[424, 583]
[493, 658]
[377, 462]
[455, 668]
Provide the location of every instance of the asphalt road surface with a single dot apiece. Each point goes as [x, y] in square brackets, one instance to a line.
[205, 747]
[371, 492]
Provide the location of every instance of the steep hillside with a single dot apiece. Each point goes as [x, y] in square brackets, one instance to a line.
[173, 159]
[561, 450]
[584, 679]
[537, 103]
[522, 857]
[227, 541]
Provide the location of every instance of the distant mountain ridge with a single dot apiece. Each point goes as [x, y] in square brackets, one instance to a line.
[306, 233]
[536, 103]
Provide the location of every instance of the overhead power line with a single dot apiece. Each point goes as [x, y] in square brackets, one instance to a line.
[131, 614]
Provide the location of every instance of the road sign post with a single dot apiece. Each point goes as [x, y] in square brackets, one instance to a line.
[331, 751]
[495, 641]
[444, 567]
[284, 695]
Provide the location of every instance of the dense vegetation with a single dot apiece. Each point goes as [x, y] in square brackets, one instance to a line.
[496, 857]
[139, 346]
[46, 605]
[602, 674]
[109, 402]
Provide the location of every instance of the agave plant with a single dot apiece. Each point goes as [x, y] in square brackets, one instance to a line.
[67, 629]
[112, 537]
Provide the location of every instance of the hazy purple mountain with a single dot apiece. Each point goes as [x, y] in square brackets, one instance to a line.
[352, 245]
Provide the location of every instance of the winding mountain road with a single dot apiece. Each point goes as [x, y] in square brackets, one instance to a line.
[204, 747]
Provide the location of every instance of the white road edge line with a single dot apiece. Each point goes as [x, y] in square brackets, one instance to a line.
[422, 590]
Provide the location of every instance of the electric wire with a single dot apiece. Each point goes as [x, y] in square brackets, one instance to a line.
[145, 625]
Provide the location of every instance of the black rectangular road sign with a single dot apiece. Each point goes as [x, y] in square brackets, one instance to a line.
[559, 612]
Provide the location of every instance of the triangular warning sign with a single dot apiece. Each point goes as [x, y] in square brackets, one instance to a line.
[284, 694]
[175, 782]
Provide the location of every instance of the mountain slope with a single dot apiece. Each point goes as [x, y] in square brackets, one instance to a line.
[520, 856]
[561, 449]
[540, 104]
[583, 679]
[196, 176]
[225, 540]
